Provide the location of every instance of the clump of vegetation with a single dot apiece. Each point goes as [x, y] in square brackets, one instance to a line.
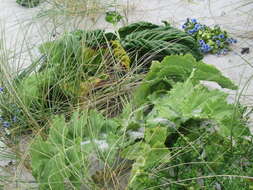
[108, 107]
[211, 40]
[113, 17]
[28, 3]
[182, 132]
[192, 138]
[82, 63]
[65, 161]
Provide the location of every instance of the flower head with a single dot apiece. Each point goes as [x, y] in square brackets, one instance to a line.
[231, 40]
[6, 124]
[194, 20]
[1, 89]
[201, 42]
[197, 26]
[221, 36]
[190, 31]
[205, 48]
[184, 26]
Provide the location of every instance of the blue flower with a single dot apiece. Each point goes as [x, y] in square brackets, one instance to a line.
[229, 40]
[224, 51]
[205, 48]
[194, 20]
[233, 40]
[190, 31]
[1, 89]
[194, 30]
[201, 42]
[197, 26]
[218, 42]
[221, 36]
[6, 124]
[184, 26]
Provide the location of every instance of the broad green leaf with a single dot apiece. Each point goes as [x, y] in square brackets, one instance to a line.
[147, 155]
[172, 69]
[62, 160]
[187, 101]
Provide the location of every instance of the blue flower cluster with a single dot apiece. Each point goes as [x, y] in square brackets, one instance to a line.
[204, 47]
[222, 52]
[220, 36]
[5, 124]
[211, 40]
[196, 27]
[231, 40]
[13, 110]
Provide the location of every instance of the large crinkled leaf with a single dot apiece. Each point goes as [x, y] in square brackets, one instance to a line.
[147, 155]
[63, 159]
[172, 69]
[152, 42]
[186, 101]
[135, 27]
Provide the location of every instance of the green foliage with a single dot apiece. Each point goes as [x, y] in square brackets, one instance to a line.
[211, 159]
[63, 160]
[59, 82]
[78, 61]
[192, 128]
[185, 102]
[28, 3]
[163, 75]
[113, 17]
[69, 53]
[120, 54]
[136, 27]
[147, 154]
[198, 159]
[149, 41]
[189, 132]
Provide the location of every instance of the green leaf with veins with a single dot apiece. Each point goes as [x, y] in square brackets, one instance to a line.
[147, 155]
[63, 159]
[186, 101]
[163, 75]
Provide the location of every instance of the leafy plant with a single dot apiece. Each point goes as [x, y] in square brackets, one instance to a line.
[213, 40]
[28, 3]
[188, 135]
[186, 101]
[149, 153]
[152, 42]
[113, 17]
[63, 160]
[163, 75]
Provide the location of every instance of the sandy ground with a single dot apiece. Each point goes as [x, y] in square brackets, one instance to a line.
[21, 23]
